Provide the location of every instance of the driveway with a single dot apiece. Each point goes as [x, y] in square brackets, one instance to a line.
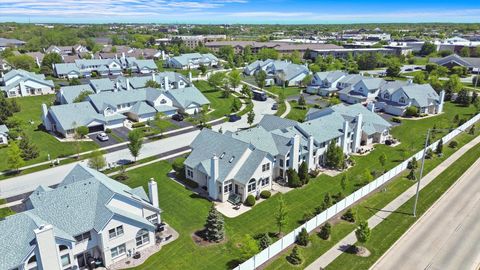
[121, 132]
[111, 140]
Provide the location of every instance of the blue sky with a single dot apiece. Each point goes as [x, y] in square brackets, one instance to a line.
[238, 11]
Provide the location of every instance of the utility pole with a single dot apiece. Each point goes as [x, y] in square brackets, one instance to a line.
[421, 172]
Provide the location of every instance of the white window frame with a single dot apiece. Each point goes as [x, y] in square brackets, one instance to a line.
[252, 185]
[69, 260]
[118, 251]
[153, 219]
[115, 232]
[142, 239]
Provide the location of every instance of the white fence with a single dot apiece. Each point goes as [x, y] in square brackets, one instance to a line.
[342, 205]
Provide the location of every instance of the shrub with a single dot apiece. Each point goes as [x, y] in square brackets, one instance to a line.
[325, 231]
[108, 131]
[265, 194]
[453, 144]
[396, 120]
[411, 175]
[412, 164]
[139, 124]
[264, 241]
[411, 111]
[295, 257]
[250, 201]
[81, 131]
[302, 237]
[429, 153]
[308, 215]
[349, 216]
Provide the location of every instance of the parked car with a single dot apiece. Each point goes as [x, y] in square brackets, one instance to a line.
[275, 106]
[408, 69]
[178, 117]
[103, 137]
[234, 118]
[417, 68]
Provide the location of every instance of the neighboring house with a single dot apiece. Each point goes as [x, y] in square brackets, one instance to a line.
[325, 83]
[192, 61]
[363, 91]
[21, 83]
[232, 166]
[88, 216]
[472, 64]
[110, 109]
[395, 100]
[103, 67]
[3, 134]
[67, 50]
[279, 72]
[10, 42]
[4, 65]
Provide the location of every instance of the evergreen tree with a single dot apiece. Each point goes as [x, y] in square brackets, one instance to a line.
[411, 175]
[214, 226]
[439, 148]
[334, 156]
[412, 164]
[29, 150]
[293, 178]
[302, 237]
[295, 257]
[325, 231]
[349, 216]
[303, 173]
[14, 157]
[264, 241]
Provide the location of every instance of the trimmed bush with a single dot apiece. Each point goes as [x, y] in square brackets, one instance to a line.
[265, 194]
[325, 231]
[139, 124]
[108, 131]
[396, 120]
[411, 111]
[453, 144]
[302, 238]
[295, 257]
[349, 216]
[250, 201]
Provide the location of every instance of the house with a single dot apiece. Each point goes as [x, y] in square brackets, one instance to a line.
[325, 83]
[110, 109]
[67, 70]
[192, 61]
[10, 42]
[88, 216]
[3, 134]
[472, 64]
[21, 83]
[233, 165]
[279, 72]
[362, 91]
[67, 50]
[395, 100]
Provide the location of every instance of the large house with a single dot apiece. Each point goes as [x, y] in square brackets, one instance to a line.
[110, 109]
[103, 67]
[325, 83]
[232, 166]
[362, 91]
[472, 64]
[397, 98]
[192, 61]
[21, 83]
[87, 219]
[3, 134]
[278, 72]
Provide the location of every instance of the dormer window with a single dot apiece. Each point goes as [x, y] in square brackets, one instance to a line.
[402, 100]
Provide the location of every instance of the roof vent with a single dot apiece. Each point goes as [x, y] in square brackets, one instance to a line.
[231, 159]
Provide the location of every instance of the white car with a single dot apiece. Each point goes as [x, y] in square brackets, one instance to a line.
[102, 137]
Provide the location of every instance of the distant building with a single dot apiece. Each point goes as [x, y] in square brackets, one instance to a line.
[192, 61]
[346, 52]
[470, 63]
[283, 48]
[21, 83]
[10, 42]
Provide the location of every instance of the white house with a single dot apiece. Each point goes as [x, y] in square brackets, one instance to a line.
[362, 91]
[232, 166]
[279, 72]
[87, 219]
[325, 83]
[21, 83]
[192, 61]
[3, 134]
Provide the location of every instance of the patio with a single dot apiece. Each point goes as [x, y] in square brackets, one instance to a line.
[162, 238]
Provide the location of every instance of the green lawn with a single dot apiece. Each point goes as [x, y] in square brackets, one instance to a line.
[298, 113]
[186, 212]
[184, 72]
[287, 91]
[46, 143]
[391, 229]
[4, 212]
[221, 105]
[281, 108]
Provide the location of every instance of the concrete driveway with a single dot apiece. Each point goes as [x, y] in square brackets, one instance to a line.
[111, 140]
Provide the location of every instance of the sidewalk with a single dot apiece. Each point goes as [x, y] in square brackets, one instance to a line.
[337, 250]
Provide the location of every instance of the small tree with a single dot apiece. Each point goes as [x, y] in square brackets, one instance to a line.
[302, 237]
[29, 150]
[260, 78]
[97, 160]
[81, 132]
[14, 157]
[383, 159]
[303, 173]
[325, 231]
[429, 153]
[82, 96]
[343, 182]
[412, 164]
[301, 101]
[367, 175]
[411, 111]
[349, 216]
[249, 247]
[203, 69]
[264, 241]
[293, 178]
[411, 175]
[281, 215]
[363, 232]
[295, 257]
[152, 84]
[471, 131]
[334, 156]
[214, 226]
[250, 118]
[235, 78]
[135, 138]
[439, 148]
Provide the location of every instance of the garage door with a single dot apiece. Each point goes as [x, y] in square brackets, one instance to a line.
[93, 129]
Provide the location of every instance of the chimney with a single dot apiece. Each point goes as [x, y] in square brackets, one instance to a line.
[441, 99]
[123, 55]
[311, 158]
[358, 132]
[295, 148]
[47, 248]
[345, 137]
[128, 84]
[410, 81]
[46, 120]
[371, 106]
[212, 183]
[153, 192]
[117, 86]
[153, 76]
[167, 84]
[190, 76]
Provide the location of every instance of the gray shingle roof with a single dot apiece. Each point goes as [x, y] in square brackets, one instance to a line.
[184, 97]
[3, 129]
[184, 59]
[70, 93]
[66, 68]
[24, 76]
[73, 115]
[423, 94]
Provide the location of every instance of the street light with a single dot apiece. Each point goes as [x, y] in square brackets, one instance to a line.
[423, 164]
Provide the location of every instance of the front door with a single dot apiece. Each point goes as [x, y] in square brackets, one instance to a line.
[82, 259]
[236, 189]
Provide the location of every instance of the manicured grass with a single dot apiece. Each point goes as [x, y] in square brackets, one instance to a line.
[4, 212]
[386, 233]
[46, 143]
[281, 108]
[184, 72]
[287, 91]
[297, 112]
[221, 105]
[186, 212]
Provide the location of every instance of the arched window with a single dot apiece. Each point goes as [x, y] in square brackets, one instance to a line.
[142, 237]
[32, 259]
[402, 100]
[62, 247]
[252, 185]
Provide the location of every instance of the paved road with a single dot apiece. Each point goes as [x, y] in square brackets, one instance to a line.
[26, 183]
[447, 236]
[333, 253]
